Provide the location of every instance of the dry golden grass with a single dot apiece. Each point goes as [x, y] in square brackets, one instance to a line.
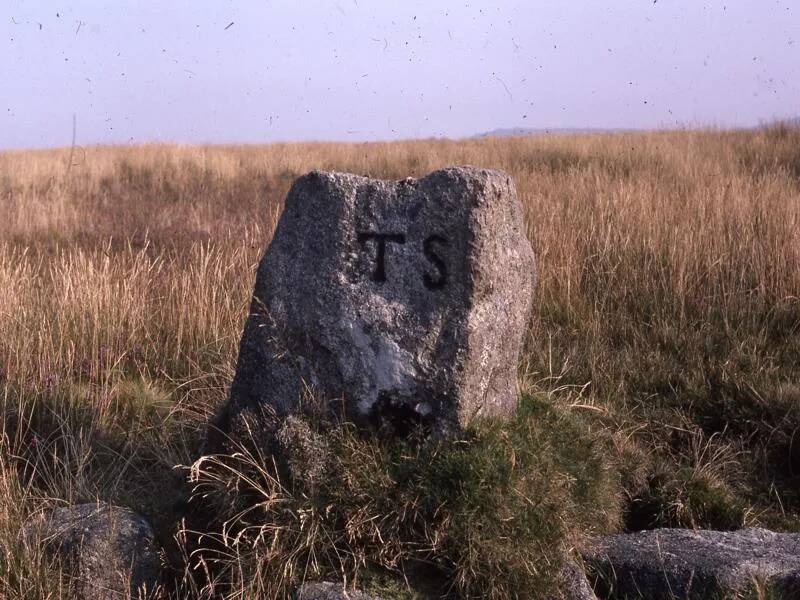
[668, 309]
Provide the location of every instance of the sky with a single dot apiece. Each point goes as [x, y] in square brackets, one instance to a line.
[223, 71]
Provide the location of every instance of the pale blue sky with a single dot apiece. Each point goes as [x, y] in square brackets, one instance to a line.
[266, 70]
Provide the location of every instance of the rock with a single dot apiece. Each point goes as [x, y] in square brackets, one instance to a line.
[574, 584]
[395, 303]
[330, 591]
[304, 450]
[682, 563]
[106, 552]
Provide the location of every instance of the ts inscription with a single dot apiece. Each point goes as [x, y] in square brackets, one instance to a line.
[434, 278]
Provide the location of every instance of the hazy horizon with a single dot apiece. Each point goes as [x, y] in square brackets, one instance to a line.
[259, 72]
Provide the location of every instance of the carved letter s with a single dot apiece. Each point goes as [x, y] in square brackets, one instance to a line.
[435, 283]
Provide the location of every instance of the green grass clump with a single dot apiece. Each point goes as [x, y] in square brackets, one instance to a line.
[487, 515]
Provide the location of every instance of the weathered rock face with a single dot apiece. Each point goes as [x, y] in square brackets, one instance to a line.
[397, 302]
[304, 450]
[330, 591]
[573, 583]
[681, 563]
[106, 552]
[573, 586]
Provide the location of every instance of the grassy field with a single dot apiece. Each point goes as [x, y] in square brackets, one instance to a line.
[667, 314]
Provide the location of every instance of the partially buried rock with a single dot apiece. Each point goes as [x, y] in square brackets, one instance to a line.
[687, 564]
[395, 303]
[573, 583]
[330, 591]
[304, 450]
[105, 552]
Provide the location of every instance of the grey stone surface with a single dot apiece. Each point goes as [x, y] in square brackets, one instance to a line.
[330, 591]
[393, 302]
[105, 552]
[304, 450]
[682, 563]
[574, 584]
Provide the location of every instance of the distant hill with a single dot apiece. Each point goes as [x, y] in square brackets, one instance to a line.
[787, 122]
[522, 131]
[517, 131]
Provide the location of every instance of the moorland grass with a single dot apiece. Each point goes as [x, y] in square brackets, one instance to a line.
[666, 313]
